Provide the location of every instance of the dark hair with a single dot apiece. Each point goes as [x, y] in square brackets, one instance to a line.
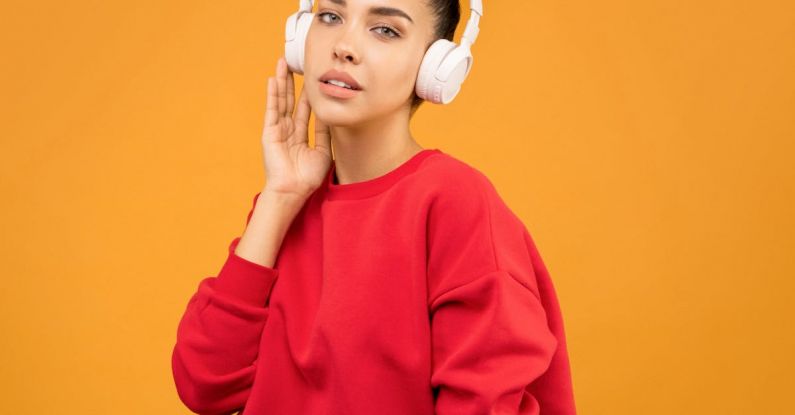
[447, 14]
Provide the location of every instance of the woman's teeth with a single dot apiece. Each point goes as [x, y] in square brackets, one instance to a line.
[338, 83]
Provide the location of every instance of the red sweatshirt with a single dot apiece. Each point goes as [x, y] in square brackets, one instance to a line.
[418, 292]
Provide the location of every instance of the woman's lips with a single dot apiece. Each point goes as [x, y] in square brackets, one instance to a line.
[337, 91]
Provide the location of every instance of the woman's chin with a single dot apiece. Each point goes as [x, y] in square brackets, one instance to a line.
[337, 115]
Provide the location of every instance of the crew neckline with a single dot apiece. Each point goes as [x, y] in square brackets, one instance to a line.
[378, 184]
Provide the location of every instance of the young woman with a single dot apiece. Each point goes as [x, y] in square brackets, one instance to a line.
[389, 279]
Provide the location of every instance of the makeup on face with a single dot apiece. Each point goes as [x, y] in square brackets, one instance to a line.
[337, 91]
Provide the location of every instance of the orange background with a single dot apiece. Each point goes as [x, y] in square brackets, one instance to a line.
[646, 145]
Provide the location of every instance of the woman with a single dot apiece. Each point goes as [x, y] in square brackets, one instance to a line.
[391, 279]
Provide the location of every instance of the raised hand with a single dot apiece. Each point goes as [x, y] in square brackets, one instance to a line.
[292, 167]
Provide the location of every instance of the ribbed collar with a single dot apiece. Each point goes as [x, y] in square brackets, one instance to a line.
[376, 185]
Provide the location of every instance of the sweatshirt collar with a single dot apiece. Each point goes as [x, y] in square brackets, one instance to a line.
[378, 184]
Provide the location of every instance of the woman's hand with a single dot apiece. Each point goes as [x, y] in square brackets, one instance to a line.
[292, 168]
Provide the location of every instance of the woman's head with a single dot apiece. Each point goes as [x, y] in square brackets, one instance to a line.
[380, 44]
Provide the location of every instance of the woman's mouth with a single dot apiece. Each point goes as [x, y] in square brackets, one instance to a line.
[337, 91]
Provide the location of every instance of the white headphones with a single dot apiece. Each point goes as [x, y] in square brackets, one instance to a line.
[444, 67]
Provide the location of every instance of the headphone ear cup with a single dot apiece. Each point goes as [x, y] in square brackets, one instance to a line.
[453, 71]
[296, 31]
[428, 87]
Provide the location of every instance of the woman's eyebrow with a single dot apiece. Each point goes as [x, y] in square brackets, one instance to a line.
[380, 10]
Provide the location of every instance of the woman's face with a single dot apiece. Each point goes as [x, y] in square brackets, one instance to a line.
[376, 45]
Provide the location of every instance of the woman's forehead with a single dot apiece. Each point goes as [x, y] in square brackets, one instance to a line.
[376, 5]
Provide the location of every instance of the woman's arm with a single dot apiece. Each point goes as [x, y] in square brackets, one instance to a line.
[266, 226]
[497, 334]
[214, 359]
[218, 337]
[491, 341]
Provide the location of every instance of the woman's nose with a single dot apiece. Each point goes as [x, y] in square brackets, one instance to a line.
[344, 49]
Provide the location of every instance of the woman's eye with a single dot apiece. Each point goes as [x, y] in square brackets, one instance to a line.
[320, 15]
[394, 33]
[388, 30]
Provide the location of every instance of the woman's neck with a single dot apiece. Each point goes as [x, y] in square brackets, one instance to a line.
[366, 151]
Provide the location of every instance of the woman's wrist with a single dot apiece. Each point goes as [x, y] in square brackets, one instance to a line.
[283, 198]
[264, 234]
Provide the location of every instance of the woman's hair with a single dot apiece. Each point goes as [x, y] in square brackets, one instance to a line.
[447, 14]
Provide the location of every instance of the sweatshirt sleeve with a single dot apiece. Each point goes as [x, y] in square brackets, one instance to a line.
[215, 355]
[496, 344]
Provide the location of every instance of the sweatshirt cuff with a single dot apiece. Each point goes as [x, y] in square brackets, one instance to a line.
[245, 280]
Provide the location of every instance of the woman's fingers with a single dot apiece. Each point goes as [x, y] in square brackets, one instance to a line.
[271, 110]
[322, 137]
[281, 81]
[301, 120]
[290, 93]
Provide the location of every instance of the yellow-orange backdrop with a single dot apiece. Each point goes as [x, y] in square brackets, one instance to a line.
[646, 145]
